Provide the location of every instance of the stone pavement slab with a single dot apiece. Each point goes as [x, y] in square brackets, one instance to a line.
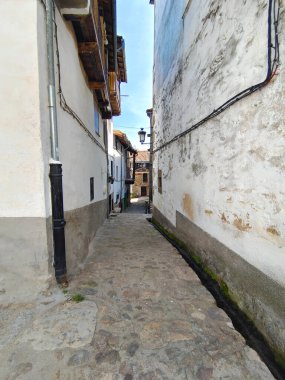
[145, 316]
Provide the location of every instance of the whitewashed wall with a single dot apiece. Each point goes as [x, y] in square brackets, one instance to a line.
[119, 161]
[25, 207]
[21, 169]
[110, 153]
[25, 244]
[231, 170]
[80, 156]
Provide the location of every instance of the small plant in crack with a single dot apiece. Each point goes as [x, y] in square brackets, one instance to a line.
[77, 297]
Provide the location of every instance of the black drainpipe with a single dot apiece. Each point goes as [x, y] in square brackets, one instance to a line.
[55, 175]
[58, 223]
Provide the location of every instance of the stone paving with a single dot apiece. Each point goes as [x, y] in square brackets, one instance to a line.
[137, 206]
[145, 316]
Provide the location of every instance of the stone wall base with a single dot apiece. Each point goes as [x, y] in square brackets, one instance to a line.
[259, 296]
[25, 258]
[81, 227]
[26, 250]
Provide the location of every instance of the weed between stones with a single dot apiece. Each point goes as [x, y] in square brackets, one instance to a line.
[77, 297]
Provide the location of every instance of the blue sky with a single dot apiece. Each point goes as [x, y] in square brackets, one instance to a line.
[135, 24]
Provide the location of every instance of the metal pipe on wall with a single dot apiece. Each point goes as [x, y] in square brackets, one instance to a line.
[55, 165]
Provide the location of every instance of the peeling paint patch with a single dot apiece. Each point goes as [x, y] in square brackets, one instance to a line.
[187, 206]
[241, 225]
[224, 219]
[273, 230]
[259, 153]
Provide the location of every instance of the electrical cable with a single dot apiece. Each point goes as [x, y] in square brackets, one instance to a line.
[272, 68]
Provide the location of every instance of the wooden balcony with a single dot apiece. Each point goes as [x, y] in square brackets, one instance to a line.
[89, 28]
[101, 51]
[114, 89]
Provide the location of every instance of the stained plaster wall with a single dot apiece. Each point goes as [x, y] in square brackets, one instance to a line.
[230, 171]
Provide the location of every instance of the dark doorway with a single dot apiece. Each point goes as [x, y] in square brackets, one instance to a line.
[110, 204]
[143, 191]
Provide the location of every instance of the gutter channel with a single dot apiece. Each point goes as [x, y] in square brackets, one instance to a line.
[240, 321]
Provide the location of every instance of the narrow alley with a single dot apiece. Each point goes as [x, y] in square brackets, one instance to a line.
[142, 206]
[144, 315]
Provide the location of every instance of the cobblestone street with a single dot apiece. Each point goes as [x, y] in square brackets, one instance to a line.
[145, 316]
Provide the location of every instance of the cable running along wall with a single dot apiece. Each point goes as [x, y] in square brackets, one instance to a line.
[272, 66]
[63, 103]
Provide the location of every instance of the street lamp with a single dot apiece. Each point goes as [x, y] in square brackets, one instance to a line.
[142, 134]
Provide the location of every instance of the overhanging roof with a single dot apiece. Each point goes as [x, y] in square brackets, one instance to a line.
[122, 137]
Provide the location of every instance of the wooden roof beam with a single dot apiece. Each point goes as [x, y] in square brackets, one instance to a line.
[87, 47]
[97, 85]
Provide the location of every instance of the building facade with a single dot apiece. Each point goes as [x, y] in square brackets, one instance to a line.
[219, 146]
[88, 68]
[140, 188]
[121, 159]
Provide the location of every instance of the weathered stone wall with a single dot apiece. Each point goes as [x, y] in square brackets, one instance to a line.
[136, 187]
[227, 176]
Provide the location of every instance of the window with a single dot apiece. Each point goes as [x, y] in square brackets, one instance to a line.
[159, 182]
[144, 177]
[105, 133]
[96, 121]
[117, 172]
[142, 165]
[91, 188]
[112, 169]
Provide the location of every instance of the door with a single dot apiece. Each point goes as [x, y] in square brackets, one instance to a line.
[143, 191]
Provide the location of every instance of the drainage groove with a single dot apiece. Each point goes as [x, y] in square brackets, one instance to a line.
[240, 321]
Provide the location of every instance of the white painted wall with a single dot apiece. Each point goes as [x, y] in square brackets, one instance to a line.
[25, 141]
[80, 156]
[25, 144]
[120, 162]
[21, 170]
[110, 153]
[230, 171]
[24, 205]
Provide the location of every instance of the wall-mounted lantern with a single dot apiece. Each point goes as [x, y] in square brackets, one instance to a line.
[142, 134]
